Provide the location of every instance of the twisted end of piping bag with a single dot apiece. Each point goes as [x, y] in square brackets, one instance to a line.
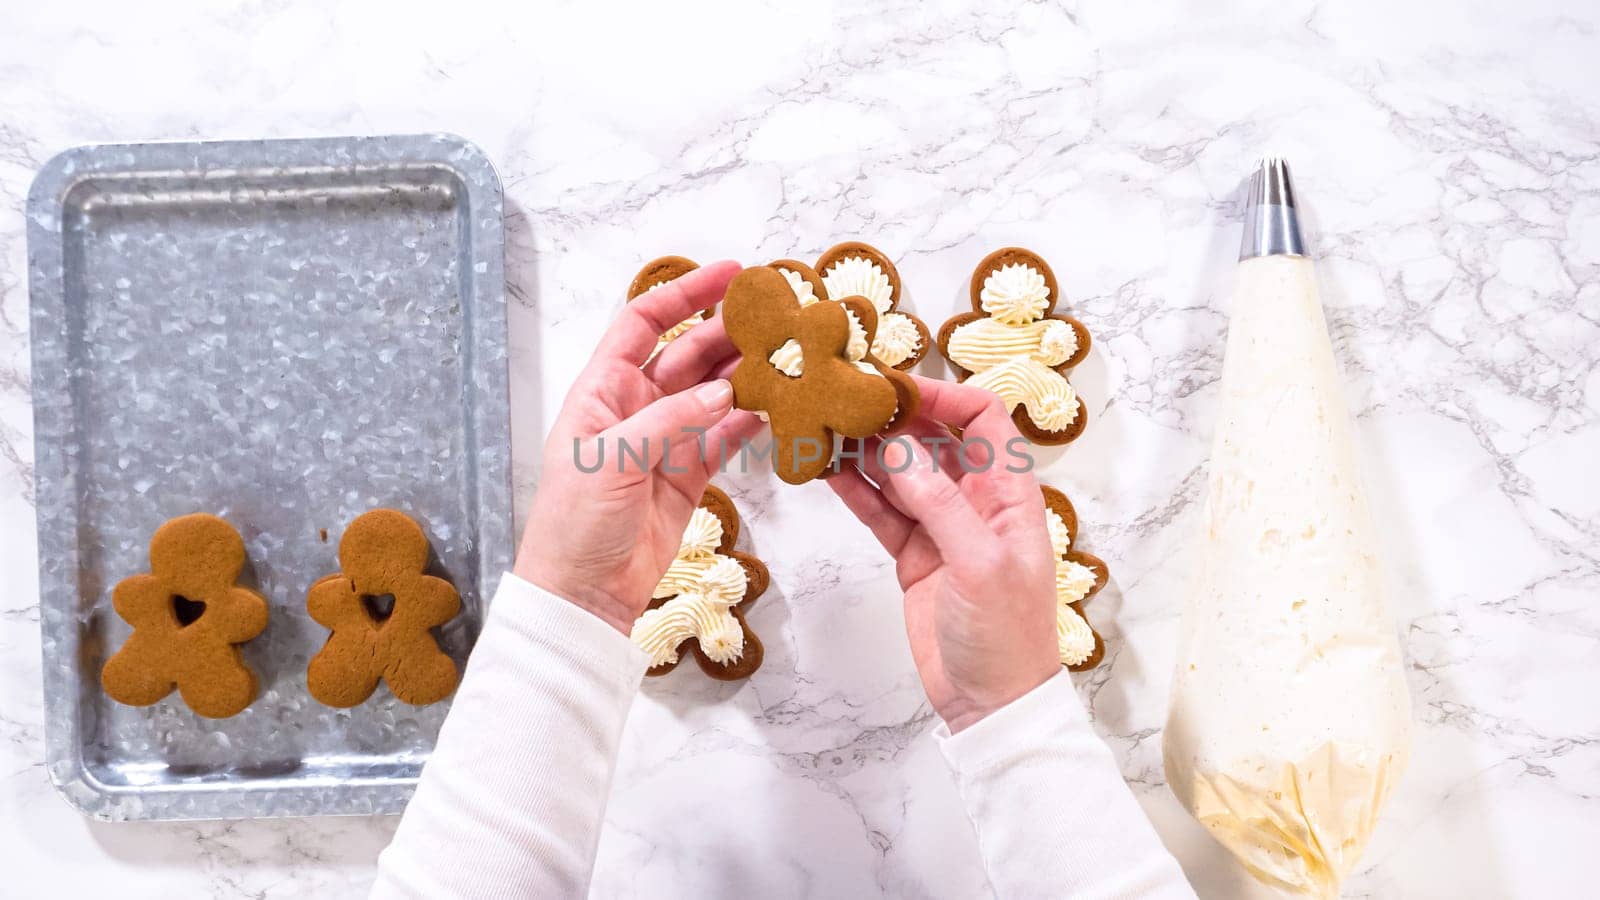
[1271, 221]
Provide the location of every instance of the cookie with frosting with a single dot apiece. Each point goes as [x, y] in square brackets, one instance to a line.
[1013, 344]
[698, 607]
[658, 272]
[1079, 576]
[865, 326]
[854, 269]
[831, 396]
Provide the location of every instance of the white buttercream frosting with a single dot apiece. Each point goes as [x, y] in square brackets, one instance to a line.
[676, 330]
[1015, 294]
[1051, 402]
[1013, 351]
[1057, 342]
[984, 343]
[1289, 720]
[790, 359]
[897, 339]
[1060, 534]
[857, 276]
[680, 329]
[1074, 638]
[701, 538]
[803, 291]
[1074, 581]
[856, 349]
[703, 587]
[722, 641]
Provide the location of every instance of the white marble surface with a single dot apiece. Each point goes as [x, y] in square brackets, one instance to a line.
[1449, 157]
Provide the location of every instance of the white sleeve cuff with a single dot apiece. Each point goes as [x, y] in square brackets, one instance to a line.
[549, 620]
[994, 739]
[511, 801]
[1052, 814]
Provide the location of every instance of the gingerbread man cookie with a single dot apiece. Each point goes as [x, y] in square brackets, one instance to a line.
[1013, 345]
[1079, 576]
[831, 394]
[188, 618]
[382, 555]
[702, 598]
[854, 269]
[658, 272]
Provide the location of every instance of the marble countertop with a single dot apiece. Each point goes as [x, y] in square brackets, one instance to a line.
[1448, 156]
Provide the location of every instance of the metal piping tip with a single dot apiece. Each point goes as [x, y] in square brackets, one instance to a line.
[1271, 221]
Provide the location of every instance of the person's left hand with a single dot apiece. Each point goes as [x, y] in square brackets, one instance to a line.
[602, 539]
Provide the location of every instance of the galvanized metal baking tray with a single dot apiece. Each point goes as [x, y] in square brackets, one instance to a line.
[286, 334]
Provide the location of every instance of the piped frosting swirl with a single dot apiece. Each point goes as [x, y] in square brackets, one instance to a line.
[703, 587]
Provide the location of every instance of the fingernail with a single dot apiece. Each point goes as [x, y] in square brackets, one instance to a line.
[715, 395]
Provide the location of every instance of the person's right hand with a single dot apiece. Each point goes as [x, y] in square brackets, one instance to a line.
[972, 552]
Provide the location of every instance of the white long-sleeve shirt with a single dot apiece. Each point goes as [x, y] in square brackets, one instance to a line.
[511, 802]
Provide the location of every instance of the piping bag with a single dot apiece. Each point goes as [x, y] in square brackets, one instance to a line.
[1289, 723]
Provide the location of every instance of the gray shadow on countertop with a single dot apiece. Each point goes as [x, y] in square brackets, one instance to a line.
[230, 848]
[525, 335]
[1438, 698]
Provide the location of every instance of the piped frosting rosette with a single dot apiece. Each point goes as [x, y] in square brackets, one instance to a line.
[854, 269]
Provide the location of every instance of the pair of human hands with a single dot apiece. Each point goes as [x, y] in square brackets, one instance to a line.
[969, 539]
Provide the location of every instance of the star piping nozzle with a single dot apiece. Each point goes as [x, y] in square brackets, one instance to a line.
[1271, 221]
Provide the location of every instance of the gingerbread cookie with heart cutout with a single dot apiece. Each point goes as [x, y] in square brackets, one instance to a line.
[855, 269]
[1014, 345]
[830, 394]
[701, 600]
[382, 554]
[189, 618]
[1079, 576]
